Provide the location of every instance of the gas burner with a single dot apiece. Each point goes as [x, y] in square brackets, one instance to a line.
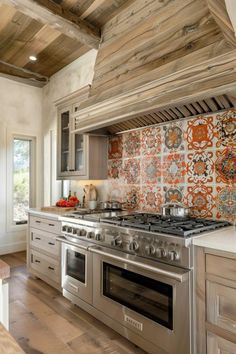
[184, 227]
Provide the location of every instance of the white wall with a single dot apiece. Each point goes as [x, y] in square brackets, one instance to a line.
[20, 113]
[71, 78]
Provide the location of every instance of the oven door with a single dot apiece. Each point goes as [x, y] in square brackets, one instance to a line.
[77, 271]
[150, 299]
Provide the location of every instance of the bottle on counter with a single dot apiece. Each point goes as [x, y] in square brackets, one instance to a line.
[69, 195]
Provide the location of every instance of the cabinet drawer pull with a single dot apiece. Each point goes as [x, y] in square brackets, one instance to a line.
[37, 238]
[37, 261]
[51, 243]
[51, 268]
[51, 224]
[38, 222]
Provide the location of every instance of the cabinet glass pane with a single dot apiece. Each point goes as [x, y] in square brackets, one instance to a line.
[65, 141]
[79, 152]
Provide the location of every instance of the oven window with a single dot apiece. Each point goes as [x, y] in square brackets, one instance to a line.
[75, 265]
[144, 295]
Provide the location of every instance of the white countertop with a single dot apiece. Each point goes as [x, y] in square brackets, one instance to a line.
[221, 240]
[47, 214]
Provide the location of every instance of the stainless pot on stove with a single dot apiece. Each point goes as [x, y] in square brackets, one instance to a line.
[175, 209]
[113, 204]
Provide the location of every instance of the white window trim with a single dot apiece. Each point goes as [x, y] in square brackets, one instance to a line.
[11, 226]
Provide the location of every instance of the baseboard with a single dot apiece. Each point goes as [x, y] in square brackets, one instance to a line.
[12, 247]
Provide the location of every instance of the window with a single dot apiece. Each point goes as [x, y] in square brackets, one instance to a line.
[22, 174]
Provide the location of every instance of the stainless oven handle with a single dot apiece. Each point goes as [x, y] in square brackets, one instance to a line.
[172, 275]
[71, 243]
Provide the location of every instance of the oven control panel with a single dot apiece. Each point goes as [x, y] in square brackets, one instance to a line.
[156, 247]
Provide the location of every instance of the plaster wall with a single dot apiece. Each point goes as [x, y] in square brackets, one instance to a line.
[21, 114]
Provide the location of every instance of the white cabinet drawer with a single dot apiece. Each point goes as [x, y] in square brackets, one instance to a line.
[45, 241]
[218, 345]
[221, 306]
[45, 265]
[48, 225]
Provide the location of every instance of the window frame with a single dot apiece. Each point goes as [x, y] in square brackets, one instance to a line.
[11, 225]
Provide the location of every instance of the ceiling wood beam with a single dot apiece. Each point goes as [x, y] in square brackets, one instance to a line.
[64, 21]
[16, 71]
[92, 8]
[220, 14]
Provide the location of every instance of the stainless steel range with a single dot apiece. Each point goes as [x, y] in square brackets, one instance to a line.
[134, 272]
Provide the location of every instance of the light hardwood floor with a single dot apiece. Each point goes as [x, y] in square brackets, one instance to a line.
[44, 322]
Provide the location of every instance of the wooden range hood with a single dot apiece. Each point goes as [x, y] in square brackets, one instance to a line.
[150, 69]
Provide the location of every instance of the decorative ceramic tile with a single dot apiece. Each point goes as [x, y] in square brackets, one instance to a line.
[200, 167]
[173, 137]
[174, 168]
[151, 198]
[226, 128]
[131, 171]
[201, 199]
[180, 158]
[131, 144]
[151, 141]
[151, 169]
[115, 168]
[173, 194]
[131, 197]
[114, 190]
[226, 166]
[200, 133]
[115, 147]
[226, 203]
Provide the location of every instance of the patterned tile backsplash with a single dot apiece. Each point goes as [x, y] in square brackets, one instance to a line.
[190, 161]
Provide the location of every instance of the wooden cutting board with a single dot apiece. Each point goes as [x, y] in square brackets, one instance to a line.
[55, 209]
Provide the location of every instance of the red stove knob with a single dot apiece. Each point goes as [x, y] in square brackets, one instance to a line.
[134, 246]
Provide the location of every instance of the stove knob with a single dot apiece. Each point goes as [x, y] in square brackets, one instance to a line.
[83, 232]
[150, 250]
[91, 235]
[74, 230]
[134, 246]
[161, 252]
[98, 237]
[173, 255]
[117, 241]
[64, 228]
[69, 229]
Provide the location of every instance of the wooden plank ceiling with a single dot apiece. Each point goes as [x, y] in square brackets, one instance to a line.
[25, 32]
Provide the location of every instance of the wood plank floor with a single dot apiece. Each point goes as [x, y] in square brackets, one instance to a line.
[43, 322]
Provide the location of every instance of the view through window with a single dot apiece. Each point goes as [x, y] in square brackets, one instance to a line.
[21, 179]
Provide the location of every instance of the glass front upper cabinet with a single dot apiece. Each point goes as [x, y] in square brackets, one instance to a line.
[79, 156]
[71, 159]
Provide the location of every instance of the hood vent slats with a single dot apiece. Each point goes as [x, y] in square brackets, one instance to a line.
[206, 106]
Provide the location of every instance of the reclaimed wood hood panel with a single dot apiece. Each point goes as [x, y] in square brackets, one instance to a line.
[156, 57]
[187, 86]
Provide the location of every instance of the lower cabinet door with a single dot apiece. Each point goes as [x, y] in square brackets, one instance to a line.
[221, 306]
[218, 345]
[45, 266]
